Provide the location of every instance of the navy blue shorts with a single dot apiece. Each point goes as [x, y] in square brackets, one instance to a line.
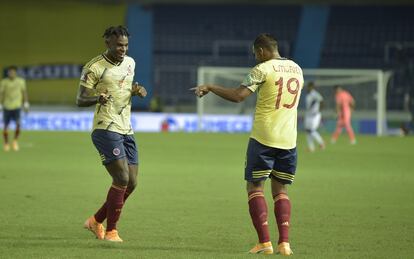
[11, 115]
[263, 162]
[113, 146]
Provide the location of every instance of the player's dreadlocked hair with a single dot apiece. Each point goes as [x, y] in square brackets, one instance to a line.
[266, 41]
[115, 30]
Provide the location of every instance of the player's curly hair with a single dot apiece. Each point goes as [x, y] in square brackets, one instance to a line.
[266, 41]
[115, 30]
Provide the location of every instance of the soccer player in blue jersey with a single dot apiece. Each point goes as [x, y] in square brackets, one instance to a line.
[107, 83]
[271, 151]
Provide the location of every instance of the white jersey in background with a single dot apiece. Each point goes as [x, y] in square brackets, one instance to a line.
[313, 119]
[313, 114]
[313, 102]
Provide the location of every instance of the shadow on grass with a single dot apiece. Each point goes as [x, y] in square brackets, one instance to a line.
[74, 243]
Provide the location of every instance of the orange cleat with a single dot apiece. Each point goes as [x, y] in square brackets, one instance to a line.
[284, 249]
[265, 248]
[6, 147]
[113, 236]
[15, 145]
[96, 228]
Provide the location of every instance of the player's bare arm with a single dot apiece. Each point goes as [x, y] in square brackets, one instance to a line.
[1, 96]
[138, 90]
[26, 104]
[231, 94]
[86, 97]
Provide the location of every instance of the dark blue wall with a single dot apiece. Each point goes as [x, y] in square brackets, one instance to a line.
[311, 34]
[140, 24]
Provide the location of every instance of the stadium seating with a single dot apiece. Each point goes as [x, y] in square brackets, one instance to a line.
[360, 40]
[186, 37]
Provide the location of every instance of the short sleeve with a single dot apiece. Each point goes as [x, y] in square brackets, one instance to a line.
[89, 77]
[254, 79]
[23, 85]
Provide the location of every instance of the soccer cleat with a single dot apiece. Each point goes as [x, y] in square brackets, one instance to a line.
[15, 145]
[284, 249]
[96, 228]
[6, 147]
[310, 150]
[113, 236]
[353, 142]
[265, 248]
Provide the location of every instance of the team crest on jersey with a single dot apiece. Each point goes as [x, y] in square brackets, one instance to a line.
[116, 151]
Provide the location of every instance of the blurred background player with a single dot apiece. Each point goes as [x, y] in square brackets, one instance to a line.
[13, 95]
[271, 151]
[313, 117]
[106, 82]
[344, 105]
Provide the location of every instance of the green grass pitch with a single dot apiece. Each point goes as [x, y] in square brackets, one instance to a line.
[347, 201]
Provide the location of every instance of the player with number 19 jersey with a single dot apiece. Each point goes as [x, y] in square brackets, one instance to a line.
[278, 83]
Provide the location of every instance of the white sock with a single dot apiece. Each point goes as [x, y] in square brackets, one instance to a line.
[309, 139]
[317, 137]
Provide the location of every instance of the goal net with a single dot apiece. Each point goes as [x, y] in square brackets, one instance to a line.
[367, 86]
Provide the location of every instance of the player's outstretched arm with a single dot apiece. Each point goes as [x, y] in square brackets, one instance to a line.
[86, 97]
[1, 96]
[231, 94]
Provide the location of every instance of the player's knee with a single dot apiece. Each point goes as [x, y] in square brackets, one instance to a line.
[255, 186]
[278, 187]
[122, 178]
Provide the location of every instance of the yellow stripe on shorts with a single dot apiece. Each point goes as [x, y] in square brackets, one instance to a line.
[260, 174]
[283, 176]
